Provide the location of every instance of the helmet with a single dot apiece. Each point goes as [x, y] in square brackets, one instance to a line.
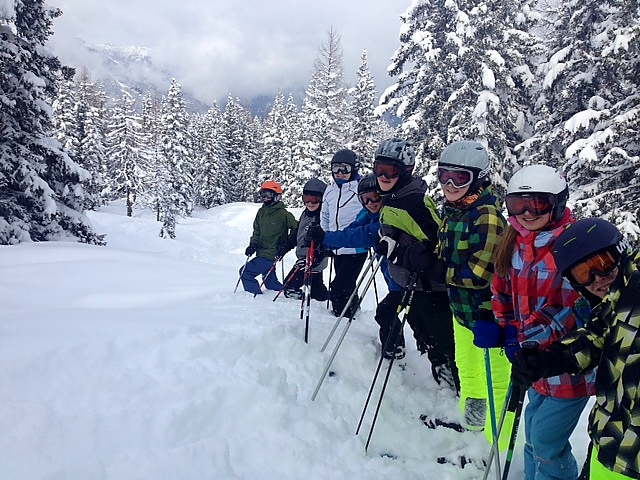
[396, 150]
[541, 179]
[315, 186]
[469, 155]
[271, 185]
[585, 238]
[368, 183]
[347, 156]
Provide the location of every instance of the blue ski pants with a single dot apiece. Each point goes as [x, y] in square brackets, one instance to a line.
[255, 267]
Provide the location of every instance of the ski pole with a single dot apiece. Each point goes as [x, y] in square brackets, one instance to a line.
[514, 432]
[344, 333]
[307, 289]
[241, 272]
[264, 278]
[405, 303]
[330, 268]
[506, 407]
[492, 414]
[346, 305]
[284, 285]
[375, 285]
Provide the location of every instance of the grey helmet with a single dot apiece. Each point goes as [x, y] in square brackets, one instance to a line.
[315, 186]
[396, 150]
[470, 155]
[541, 179]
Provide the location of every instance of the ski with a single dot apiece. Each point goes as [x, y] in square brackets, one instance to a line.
[438, 422]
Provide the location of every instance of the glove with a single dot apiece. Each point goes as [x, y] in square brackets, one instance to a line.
[418, 258]
[511, 344]
[282, 249]
[315, 234]
[250, 250]
[487, 334]
[387, 247]
[531, 364]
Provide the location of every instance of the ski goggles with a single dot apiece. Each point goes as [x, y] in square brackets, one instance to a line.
[602, 264]
[311, 199]
[388, 170]
[267, 194]
[534, 203]
[369, 197]
[458, 177]
[343, 168]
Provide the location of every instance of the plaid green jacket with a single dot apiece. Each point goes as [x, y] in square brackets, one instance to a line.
[611, 340]
[467, 239]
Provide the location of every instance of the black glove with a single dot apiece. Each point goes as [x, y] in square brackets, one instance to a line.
[387, 248]
[282, 249]
[250, 250]
[316, 234]
[532, 364]
[418, 257]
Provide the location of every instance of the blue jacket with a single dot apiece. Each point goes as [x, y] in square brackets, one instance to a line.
[361, 233]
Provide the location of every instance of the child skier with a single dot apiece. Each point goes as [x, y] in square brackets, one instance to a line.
[312, 198]
[409, 227]
[340, 206]
[363, 233]
[530, 294]
[472, 223]
[271, 227]
[596, 259]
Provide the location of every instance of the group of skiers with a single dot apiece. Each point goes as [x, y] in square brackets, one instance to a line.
[537, 302]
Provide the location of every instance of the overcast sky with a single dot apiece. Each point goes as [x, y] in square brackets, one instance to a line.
[242, 47]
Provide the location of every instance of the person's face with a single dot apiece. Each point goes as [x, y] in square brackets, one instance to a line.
[311, 202]
[371, 201]
[387, 174]
[341, 171]
[601, 284]
[342, 176]
[533, 222]
[453, 194]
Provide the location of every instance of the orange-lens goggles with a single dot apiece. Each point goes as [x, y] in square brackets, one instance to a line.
[389, 170]
[370, 197]
[536, 204]
[602, 264]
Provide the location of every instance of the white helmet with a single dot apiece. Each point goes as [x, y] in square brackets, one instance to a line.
[541, 179]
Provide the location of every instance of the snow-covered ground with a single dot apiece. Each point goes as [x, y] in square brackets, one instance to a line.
[138, 361]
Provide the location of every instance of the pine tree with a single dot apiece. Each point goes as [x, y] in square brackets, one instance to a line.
[590, 108]
[42, 196]
[176, 182]
[207, 127]
[366, 129]
[465, 72]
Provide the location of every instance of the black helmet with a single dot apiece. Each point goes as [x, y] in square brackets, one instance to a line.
[585, 238]
[368, 183]
[396, 150]
[315, 186]
[469, 155]
[349, 157]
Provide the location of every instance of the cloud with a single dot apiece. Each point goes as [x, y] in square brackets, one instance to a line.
[246, 48]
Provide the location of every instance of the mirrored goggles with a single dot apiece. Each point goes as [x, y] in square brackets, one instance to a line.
[602, 264]
[458, 177]
[343, 168]
[311, 199]
[535, 203]
[389, 170]
[369, 197]
[267, 194]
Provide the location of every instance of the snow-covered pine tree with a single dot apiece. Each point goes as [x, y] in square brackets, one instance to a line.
[590, 108]
[127, 160]
[464, 73]
[208, 158]
[42, 196]
[365, 135]
[65, 118]
[90, 106]
[175, 179]
[325, 111]
[151, 124]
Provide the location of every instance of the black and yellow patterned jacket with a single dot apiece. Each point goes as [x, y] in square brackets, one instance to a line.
[611, 340]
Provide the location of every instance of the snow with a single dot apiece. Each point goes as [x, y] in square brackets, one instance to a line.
[137, 360]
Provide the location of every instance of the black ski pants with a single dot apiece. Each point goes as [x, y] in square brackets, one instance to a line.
[347, 268]
[318, 288]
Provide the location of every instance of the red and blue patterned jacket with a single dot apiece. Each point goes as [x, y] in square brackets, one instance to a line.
[536, 299]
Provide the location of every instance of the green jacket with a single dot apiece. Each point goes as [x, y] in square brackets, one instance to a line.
[611, 341]
[271, 227]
